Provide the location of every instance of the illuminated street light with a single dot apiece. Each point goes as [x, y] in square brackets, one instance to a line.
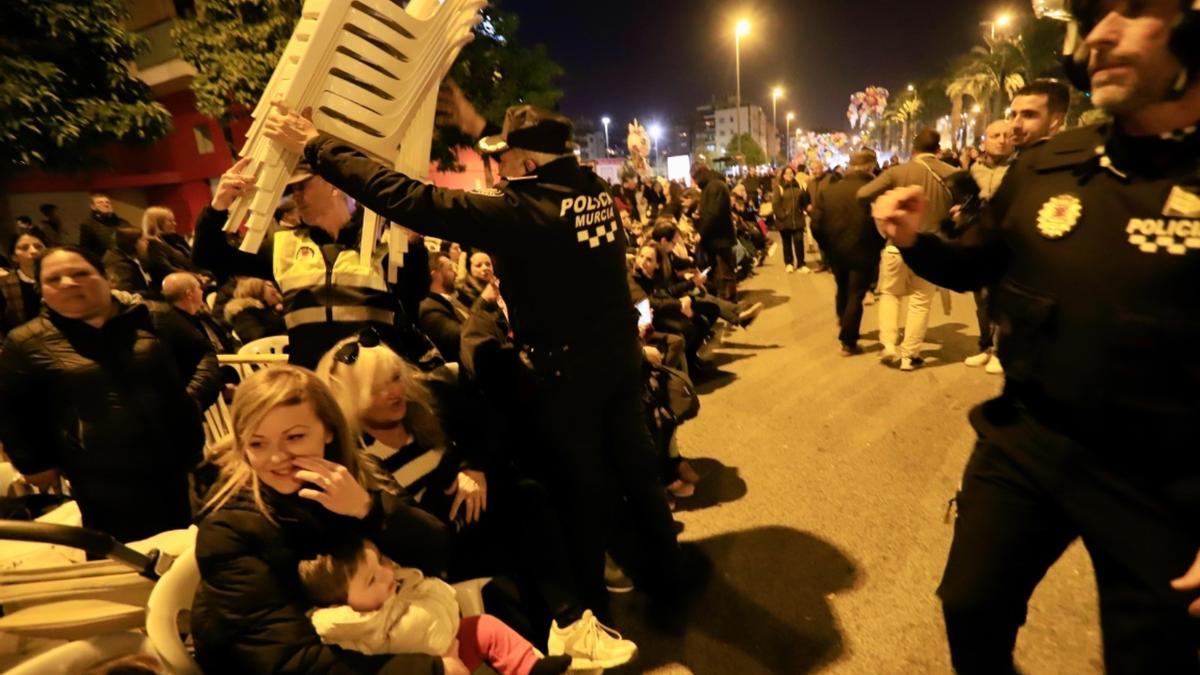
[790, 116]
[740, 30]
[775, 94]
[606, 121]
[655, 130]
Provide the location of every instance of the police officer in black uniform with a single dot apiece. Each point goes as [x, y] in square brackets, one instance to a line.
[553, 231]
[1093, 246]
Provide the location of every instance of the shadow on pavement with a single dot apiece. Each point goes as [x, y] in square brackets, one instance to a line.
[760, 605]
[953, 345]
[718, 484]
[746, 345]
[767, 296]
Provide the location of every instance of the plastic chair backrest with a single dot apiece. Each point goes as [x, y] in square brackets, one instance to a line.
[275, 344]
[172, 595]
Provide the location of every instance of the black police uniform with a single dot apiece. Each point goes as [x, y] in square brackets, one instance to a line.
[1093, 246]
[556, 242]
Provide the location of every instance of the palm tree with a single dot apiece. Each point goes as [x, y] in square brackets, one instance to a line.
[903, 110]
[992, 74]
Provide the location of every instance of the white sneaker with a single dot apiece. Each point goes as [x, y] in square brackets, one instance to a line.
[590, 644]
[889, 355]
[994, 367]
[804, 270]
[791, 268]
[906, 364]
[980, 359]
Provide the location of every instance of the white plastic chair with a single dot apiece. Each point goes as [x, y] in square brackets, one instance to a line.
[275, 344]
[78, 656]
[172, 596]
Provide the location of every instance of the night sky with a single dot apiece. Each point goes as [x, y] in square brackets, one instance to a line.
[655, 58]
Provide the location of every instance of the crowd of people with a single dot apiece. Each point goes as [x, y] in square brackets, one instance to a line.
[507, 406]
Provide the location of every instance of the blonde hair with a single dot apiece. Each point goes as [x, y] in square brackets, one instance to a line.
[262, 392]
[355, 385]
[156, 220]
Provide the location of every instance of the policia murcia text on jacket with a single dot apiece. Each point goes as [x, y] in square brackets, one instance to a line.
[328, 293]
[553, 234]
[1094, 436]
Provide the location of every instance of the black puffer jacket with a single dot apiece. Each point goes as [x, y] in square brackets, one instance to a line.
[788, 205]
[715, 224]
[110, 408]
[249, 615]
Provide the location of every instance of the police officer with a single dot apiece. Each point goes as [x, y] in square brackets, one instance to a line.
[553, 231]
[328, 293]
[1093, 244]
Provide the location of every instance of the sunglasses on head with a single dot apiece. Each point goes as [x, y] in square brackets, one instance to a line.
[348, 354]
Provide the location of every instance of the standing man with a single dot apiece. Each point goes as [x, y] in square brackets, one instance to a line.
[988, 173]
[1089, 245]
[896, 280]
[843, 227]
[98, 233]
[715, 226]
[554, 232]
[1039, 110]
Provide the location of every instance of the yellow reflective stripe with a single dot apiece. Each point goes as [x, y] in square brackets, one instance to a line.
[340, 313]
[351, 280]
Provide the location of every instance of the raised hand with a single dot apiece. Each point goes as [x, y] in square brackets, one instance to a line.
[289, 128]
[332, 486]
[898, 214]
[234, 184]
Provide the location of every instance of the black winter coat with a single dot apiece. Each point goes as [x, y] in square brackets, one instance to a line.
[843, 226]
[715, 223]
[249, 613]
[788, 204]
[116, 409]
[97, 233]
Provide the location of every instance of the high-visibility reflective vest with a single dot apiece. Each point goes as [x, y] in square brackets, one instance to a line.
[316, 292]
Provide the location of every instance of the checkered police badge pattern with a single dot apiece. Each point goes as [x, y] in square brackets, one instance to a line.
[594, 236]
[1151, 235]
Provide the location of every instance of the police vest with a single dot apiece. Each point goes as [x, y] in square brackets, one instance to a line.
[329, 283]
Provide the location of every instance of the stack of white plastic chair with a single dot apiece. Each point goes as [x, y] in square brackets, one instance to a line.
[369, 71]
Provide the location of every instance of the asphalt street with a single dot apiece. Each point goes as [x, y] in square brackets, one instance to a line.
[822, 512]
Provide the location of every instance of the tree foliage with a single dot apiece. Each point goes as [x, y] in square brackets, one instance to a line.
[65, 86]
[745, 144]
[235, 44]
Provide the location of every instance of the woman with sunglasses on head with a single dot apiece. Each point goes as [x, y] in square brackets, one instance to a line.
[502, 524]
[292, 484]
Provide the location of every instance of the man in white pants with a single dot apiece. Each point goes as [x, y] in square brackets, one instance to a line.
[896, 280]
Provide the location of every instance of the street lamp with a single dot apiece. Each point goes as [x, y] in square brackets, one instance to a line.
[740, 30]
[790, 116]
[1002, 21]
[775, 94]
[606, 121]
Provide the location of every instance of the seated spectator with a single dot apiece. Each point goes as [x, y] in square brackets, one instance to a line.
[255, 312]
[20, 300]
[479, 274]
[166, 251]
[371, 605]
[442, 314]
[124, 261]
[292, 486]
[106, 393]
[458, 257]
[182, 290]
[670, 305]
[502, 524]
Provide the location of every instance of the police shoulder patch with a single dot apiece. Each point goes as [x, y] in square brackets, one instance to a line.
[487, 192]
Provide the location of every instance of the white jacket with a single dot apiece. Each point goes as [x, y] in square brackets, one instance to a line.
[422, 617]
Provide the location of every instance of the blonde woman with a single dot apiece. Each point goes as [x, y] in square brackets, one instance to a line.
[166, 251]
[293, 485]
[503, 525]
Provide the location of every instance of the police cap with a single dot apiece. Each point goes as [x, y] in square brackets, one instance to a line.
[531, 128]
